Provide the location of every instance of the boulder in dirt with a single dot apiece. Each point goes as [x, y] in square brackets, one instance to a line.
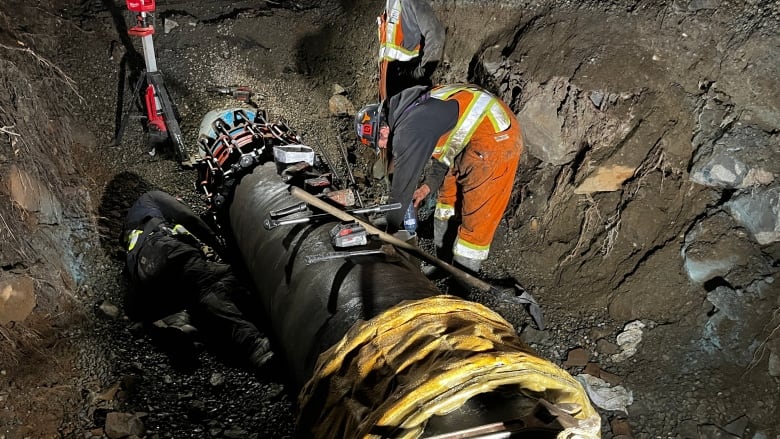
[33, 196]
[17, 299]
[759, 212]
[121, 425]
[340, 105]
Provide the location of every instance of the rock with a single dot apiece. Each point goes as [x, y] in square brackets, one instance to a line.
[120, 425]
[759, 212]
[728, 301]
[109, 394]
[774, 364]
[714, 247]
[732, 151]
[727, 338]
[721, 171]
[737, 427]
[542, 129]
[607, 347]
[109, 309]
[605, 179]
[340, 105]
[688, 429]
[597, 97]
[17, 299]
[577, 357]
[339, 90]
[216, 379]
[169, 25]
[598, 332]
[33, 196]
[609, 377]
[595, 370]
[620, 427]
[534, 336]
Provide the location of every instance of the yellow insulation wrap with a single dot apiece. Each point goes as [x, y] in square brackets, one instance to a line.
[422, 358]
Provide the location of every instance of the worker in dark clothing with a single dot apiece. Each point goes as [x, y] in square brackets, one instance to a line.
[411, 44]
[473, 143]
[169, 271]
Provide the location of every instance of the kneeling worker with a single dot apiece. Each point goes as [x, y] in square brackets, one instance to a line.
[170, 272]
[473, 142]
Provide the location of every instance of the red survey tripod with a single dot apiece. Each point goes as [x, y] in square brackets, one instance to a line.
[161, 115]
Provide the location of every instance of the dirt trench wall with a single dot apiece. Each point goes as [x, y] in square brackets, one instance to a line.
[45, 227]
[649, 182]
[621, 113]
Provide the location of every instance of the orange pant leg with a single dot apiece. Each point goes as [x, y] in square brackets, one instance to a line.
[486, 174]
[448, 197]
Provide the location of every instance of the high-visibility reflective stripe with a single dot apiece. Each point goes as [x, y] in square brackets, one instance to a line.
[444, 92]
[498, 117]
[471, 251]
[443, 211]
[467, 124]
[178, 229]
[390, 49]
[132, 238]
[392, 52]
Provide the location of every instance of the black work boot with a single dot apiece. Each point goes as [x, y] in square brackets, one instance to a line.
[457, 285]
[434, 272]
[261, 353]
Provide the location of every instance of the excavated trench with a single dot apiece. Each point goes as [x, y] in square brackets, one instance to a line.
[647, 198]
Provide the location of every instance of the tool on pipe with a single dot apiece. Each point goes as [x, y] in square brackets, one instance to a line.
[272, 223]
[313, 259]
[523, 298]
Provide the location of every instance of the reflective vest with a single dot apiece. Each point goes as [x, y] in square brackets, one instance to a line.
[135, 240]
[393, 44]
[154, 225]
[475, 106]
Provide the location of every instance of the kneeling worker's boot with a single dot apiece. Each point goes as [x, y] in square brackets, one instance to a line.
[468, 265]
[261, 353]
[439, 230]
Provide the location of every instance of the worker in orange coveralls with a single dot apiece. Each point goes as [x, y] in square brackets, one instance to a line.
[411, 45]
[473, 142]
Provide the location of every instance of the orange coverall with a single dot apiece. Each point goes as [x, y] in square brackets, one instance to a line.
[475, 142]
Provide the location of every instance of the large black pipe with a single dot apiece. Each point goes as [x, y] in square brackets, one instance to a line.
[311, 307]
[445, 366]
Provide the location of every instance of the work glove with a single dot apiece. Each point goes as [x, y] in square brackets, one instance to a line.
[209, 253]
[423, 70]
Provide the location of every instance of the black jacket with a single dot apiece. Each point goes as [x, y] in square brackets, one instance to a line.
[416, 124]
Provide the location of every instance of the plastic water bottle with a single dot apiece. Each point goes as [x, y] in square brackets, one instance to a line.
[410, 219]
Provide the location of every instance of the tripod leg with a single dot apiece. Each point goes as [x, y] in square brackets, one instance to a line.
[125, 115]
[169, 116]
